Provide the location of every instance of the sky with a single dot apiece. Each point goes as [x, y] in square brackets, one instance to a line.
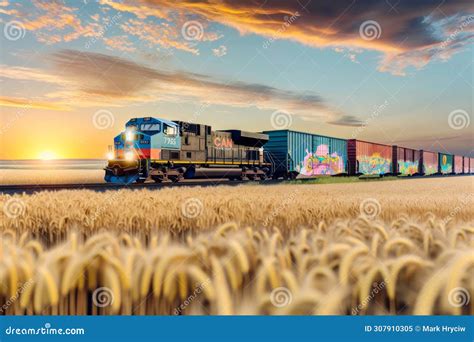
[389, 71]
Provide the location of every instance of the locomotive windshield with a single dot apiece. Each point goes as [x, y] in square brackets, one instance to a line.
[150, 127]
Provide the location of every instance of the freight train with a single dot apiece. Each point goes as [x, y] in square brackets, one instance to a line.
[162, 150]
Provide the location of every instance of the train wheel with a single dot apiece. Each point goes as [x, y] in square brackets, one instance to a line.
[263, 177]
[175, 179]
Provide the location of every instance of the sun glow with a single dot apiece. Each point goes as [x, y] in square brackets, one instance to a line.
[47, 155]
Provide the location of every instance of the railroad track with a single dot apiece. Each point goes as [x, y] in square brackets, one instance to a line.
[32, 188]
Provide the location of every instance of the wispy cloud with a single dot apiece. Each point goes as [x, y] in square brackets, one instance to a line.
[86, 79]
[113, 78]
[347, 120]
[29, 103]
[220, 51]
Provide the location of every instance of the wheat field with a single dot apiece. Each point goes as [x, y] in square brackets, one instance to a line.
[395, 247]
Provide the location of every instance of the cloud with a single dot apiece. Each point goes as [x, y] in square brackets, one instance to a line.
[109, 78]
[407, 33]
[411, 33]
[86, 79]
[119, 43]
[53, 22]
[28, 103]
[30, 74]
[220, 51]
[347, 120]
[151, 34]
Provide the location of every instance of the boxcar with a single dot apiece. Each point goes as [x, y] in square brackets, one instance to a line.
[297, 153]
[445, 163]
[458, 166]
[471, 165]
[406, 161]
[465, 162]
[429, 162]
[368, 158]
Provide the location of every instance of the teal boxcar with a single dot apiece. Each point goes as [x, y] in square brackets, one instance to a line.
[296, 153]
[445, 163]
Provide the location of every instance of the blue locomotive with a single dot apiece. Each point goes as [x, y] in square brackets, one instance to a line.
[160, 150]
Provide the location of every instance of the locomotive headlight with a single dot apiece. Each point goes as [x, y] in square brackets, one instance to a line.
[129, 156]
[129, 135]
[110, 155]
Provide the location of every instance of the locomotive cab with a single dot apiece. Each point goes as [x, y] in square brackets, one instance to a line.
[144, 139]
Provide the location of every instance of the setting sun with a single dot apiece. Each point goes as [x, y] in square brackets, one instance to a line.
[47, 155]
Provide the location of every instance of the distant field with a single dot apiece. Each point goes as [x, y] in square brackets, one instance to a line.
[392, 247]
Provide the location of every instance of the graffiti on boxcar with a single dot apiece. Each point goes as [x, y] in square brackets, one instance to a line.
[407, 167]
[446, 166]
[374, 164]
[321, 163]
[430, 169]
